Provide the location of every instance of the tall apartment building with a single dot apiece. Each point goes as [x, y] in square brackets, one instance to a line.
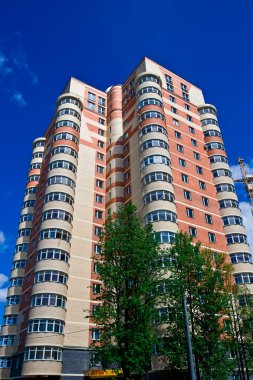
[152, 141]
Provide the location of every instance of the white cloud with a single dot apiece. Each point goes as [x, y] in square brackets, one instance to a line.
[236, 171]
[3, 243]
[248, 222]
[3, 279]
[20, 61]
[2, 238]
[18, 98]
[3, 293]
[5, 69]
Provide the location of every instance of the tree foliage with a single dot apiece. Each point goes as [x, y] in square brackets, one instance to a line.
[130, 271]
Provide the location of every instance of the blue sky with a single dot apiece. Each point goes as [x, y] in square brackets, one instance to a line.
[43, 43]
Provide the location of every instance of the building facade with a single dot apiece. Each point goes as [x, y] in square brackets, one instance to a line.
[152, 141]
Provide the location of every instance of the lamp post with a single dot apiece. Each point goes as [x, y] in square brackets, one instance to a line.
[189, 343]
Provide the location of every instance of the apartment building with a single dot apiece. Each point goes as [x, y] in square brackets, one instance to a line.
[152, 141]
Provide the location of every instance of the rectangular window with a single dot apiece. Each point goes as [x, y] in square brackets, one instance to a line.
[96, 288]
[185, 178]
[101, 110]
[168, 79]
[100, 169]
[187, 195]
[187, 107]
[189, 212]
[170, 87]
[99, 183]
[173, 109]
[127, 190]
[126, 161]
[180, 148]
[100, 156]
[99, 214]
[189, 118]
[101, 101]
[126, 175]
[98, 231]
[172, 99]
[99, 198]
[193, 232]
[95, 335]
[199, 169]
[178, 135]
[196, 155]
[205, 201]
[212, 237]
[101, 121]
[185, 96]
[100, 144]
[91, 106]
[191, 130]
[202, 185]
[183, 87]
[175, 122]
[91, 97]
[209, 219]
[182, 162]
[194, 142]
[97, 249]
[101, 132]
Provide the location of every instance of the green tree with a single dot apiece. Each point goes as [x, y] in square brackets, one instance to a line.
[130, 271]
[205, 279]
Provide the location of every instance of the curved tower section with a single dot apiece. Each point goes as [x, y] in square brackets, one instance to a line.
[11, 319]
[154, 157]
[238, 247]
[49, 291]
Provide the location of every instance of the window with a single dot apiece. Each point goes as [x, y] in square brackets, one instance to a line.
[16, 281]
[96, 288]
[99, 183]
[100, 156]
[55, 233]
[209, 219]
[126, 161]
[158, 195]
[30, 203]
[185, 178]
[221, 172]
[101, 110]
[214, 145]
[67, 123]
[98, 231]
[48, 299]
[95, 334]
[99, 214]
[91, 97]
[175, 122]
[225, 187]
[202, 185]
[100, 169]
[232, 220]
[156, 176]
[228, 203]
[5, 362]
[207, 110]
[18, 264]
[209, 121]
[151, 114]
[152, 128]
[59, 196]
[57, 214]
[101, 101]
[101, 121]
[241, 257]
[53, 254]
[182, 162]
[170, 87]
[180, 148]
[184, 87]
[160, 215]
[189, 118]
[199, 169]
[126, 175]
[24, 232]
[13, 300]
[174, 110]
[51, 276]
[101, 132]
[205, 201]
[43, 353]
[155, 159]
[100, 144]
[212, 237]
[149, 101]
[187, 195]
[91, 106]
[187, 107]
[172, 99]
[66, 136]
[168, 79]
[46, 325]
[193, 232]
[97, 249]
[178, 135]
[212, 132]
[10, 319]
[7, 340]
[164, 237]
[157, 143]
[150, 89]
[127, 190]
[194, 142]
[196, 155]
[243, 278]
[21, 247]
[189, 212]
[60, 180]
[33, 178]
[236, 238]
[217, 158]
[26, 218]
[148, 78]
[31, 190]
[99, 198]
[65, 150]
